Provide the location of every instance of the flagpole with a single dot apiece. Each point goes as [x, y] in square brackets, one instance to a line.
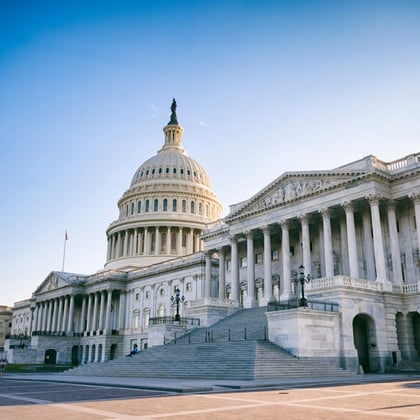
[64, 250]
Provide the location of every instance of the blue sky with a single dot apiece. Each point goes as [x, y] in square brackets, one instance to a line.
[263, 87]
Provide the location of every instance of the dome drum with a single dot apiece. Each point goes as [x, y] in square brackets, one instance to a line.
[168, 206]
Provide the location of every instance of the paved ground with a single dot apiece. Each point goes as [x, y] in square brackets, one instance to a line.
[35, 396]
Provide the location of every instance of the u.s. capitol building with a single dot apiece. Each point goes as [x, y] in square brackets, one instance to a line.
[333, 255]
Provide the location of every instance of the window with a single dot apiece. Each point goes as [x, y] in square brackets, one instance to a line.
[165, 205]
[182, 171]
[147, 172]
[173, 205]
[174, 170]
[132, 208]
[147, 294]
[137, 296]
[228, 265]
[243, 262]
[139, 207]
[126, 210]
[147, 206]
[292, 251]
[153, 171]
[184, 206]
[160, 170]
[258, 258]
[188, 287]
[167, 170]
[274, 255]
[200, 209]
[156, 205]
[162, 292]
[192, 207]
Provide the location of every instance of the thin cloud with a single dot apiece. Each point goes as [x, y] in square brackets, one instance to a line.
[153, 111]
[202, 123]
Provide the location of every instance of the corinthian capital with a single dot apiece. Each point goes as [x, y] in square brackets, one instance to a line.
[374, 199]
[415, 196]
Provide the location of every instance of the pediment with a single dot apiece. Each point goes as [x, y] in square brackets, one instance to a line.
[53, 281]
[291, 187]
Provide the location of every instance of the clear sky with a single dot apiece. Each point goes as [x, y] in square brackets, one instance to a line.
[263, 87]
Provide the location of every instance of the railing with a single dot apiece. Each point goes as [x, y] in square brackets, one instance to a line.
[310, 304]
[168, 320]
[344, 281]
[212, 336]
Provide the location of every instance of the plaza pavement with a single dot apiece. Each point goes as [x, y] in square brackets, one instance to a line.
[362, 397]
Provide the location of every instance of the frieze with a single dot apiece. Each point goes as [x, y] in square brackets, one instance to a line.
[290, 191]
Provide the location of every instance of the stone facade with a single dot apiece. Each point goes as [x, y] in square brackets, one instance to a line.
[349, 235]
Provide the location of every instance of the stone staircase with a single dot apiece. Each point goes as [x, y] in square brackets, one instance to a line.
[233, 348]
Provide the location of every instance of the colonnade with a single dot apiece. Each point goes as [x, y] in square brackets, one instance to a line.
[149, 241]
[57, 315]
[373, 259]
[54, 315]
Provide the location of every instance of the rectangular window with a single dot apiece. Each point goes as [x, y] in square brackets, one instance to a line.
[274, 255]
[188, 287]
[258, 258]
[228, 265]
[243, 262]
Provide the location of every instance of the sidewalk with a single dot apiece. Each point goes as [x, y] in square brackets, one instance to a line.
[209, 385]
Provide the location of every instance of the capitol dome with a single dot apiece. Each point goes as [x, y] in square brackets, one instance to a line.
[166, 208]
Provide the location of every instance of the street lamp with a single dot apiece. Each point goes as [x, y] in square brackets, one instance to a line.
[177, 299]
[302, 279]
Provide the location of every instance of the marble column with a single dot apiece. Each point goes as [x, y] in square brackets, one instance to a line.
[179, 243]
[82, 315]
[395, 246]
[222, 273]
[285, 251]
[416, 200]
[234, 284]
[101, 310]
[168, 241]
[306, 244]
[94, 314]
[250, 301]
[69, 325]
[108, 312]
[65, 312]
[89, 314]
[158, 241]
[49, 316]
[368, 246]
[328, 249]
[146, 241]
[207, 280]
[268, 281]
[121, 311]
[378, 244]
[60, 315]
[351, 240]
[54, 315]
[118, 250]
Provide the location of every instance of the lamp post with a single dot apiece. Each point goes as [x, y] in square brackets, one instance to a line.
[302, 279]
[177, 299]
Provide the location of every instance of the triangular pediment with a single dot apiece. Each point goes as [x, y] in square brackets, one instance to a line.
[55, 280]
[292, 186]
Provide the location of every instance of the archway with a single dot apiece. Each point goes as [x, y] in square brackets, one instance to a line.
[416, 332]
[113, 352]
[50, 357]
[362, 331]
[75, 355]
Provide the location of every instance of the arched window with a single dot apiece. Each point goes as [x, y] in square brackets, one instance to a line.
[184, 206]
[200, 209]
[192, 207]
[156, 205]
[174, 204]
[165, 205]
[147, 206]
[139, 207]
[126, 210]
[132, 208]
